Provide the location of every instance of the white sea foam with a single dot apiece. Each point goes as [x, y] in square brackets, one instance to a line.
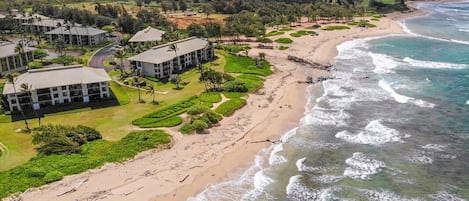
[402, 23]
[296, 190]
[463, 30]
[326, 117]
[329, 179]
[304, 168]
[443, 195]
[384, 63]
[434, 147]
[467, 102]
[404, 99]
[384, 195]
[275, 158]
[374, 133]
[432, 64]
[361, 166]
[421, 159]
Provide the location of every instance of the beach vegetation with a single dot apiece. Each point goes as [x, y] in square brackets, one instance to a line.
[233, 48]
[232, 95]
[187, 129]
[166, 122]
[274, 33]
[44, 168]
[283, 47]
[235, 86]
[263, 40]
[338, 27]
[199, 126]
[246, 65]
[302, 33]
[252, 82]
[284, 40]
[229, 107]
[286, 29]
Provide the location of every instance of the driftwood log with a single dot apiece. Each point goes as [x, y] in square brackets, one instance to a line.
[311, 63]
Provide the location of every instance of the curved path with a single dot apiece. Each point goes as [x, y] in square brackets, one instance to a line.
[97, 59]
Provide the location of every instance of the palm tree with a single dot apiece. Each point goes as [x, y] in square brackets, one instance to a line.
[25, 88]
[137, 82]
[151, 90]
[120, 54]
[11, 80]
[19, 49]
[173, 47]
[59, 45]
[262, 56]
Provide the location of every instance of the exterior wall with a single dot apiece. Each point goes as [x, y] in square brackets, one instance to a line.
[165, 69]
[42, 98]
[74, 39]
[14, 63]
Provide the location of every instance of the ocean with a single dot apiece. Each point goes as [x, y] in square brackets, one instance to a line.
[393, 125]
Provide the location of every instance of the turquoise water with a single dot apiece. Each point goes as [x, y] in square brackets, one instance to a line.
[393, 125]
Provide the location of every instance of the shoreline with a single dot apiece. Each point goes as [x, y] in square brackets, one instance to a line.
[196, 161]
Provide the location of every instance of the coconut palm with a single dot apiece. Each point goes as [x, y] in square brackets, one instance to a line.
[25, 88]
[173, 47]
[136, 81]
[19, 49]
[59, 45]
[151, 90]
[120, 54]
[11, 80]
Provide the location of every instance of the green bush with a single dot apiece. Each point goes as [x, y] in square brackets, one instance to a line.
[274, 33]
[151, 119]
[199, 125]
[168, 122]
[211, 117]
[232, 95]
[283, 47]
[53, 176]
[67, 60]
[61, 139]
[235, 86]
[253, 82]
[229, 107]
[187, 129]
[331, 28]
[284, 40]
[35, 65]
[211, 97]
[233, 48]
[36, 172]
[316, 26]
[264, 40]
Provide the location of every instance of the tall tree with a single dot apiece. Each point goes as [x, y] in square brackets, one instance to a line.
[151, 90]
[19, 49]
[26, 88]
[120, 54]
[173, 47]
[11, 79]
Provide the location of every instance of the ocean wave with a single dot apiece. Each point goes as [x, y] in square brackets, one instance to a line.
[433, 64]
[326, 117]
[463, 30]
[384, 195]
[419, 157]
[467, 102]
[374, 133]
[434, 147]
[304, 168]
[404, 99]
[296, 190]
[384, 63]
[361, 166]
[443, 195]
[403, 24]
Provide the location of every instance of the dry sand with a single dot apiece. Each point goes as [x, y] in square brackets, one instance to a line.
[198, 160]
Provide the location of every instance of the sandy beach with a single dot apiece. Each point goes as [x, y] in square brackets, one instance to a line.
[196, 161]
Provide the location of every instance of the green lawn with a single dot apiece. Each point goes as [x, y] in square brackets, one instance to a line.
[229, 107]
[284, 40]
[274, 33]
[241, 64]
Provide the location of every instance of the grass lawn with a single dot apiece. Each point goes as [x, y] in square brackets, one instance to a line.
[241, 64]
[229, 107]
[284, 40]
[274, 33]
[331, 28]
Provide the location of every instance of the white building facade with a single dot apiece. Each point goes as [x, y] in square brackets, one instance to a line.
[11, 61]
[162, 61]
[58, 85]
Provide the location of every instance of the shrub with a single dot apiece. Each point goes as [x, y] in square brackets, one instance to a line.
[211, 97]
[229, 107]
[211, 117]
[53, 176]
[274, 33]
[197, 109]
[164, 113]
[331, 28]
[67, 60]
[36, 172]
[233, 48]
[35, 65]
[264, 40]
[284, 40]
[283, 47]
[235, 86]
[168, 122]
[63, 139]
[199, 125]
[316, 26]
[187, 129]
[253, 82]
[286, 29]
[227, 77]
[232, 95]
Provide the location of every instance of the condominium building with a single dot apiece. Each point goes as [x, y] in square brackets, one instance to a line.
[11, 61]
[43, 25]
[162, 61]
[148, 34]
[56, 86]
[77, 35]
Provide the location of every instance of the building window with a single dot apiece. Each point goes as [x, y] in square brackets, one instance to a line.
[54, 89]
[104, 89]
[65, 94]
[13, 101]
[56, 95]
[64, 87]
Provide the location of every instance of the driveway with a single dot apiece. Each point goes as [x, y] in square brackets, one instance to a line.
[96, 61]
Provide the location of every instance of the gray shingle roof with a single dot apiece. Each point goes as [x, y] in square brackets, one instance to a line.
[46, 22]
[82, 31]
[58, 76]
[147, 34]
[162, 53]
[8, 49]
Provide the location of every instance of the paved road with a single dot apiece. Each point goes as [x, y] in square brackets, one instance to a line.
[96, 61]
